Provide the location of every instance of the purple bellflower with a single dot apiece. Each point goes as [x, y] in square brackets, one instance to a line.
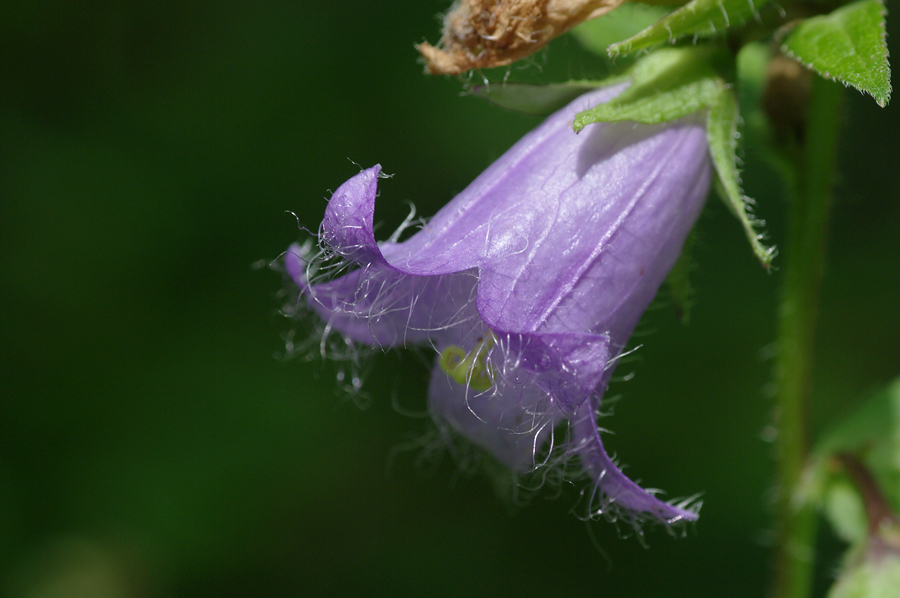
[527, 285]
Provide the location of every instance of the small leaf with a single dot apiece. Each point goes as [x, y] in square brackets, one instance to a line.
[847, 45]
[697, 17]
[723, 135]
[665, 86]
[539, 100]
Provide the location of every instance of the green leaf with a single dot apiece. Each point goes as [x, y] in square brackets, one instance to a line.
[723, 135]
[697, 17]
[539, 100]
[847, 45]
[626, 20]
[665, 86]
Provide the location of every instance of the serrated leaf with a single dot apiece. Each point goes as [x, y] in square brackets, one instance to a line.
[539, 100]
[847, 45]
[722, 131]
[697, 17]
[665, 86]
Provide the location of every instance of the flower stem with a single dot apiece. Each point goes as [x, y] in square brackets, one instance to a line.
[804, 268]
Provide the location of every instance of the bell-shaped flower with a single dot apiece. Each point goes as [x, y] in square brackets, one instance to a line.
[528, 285]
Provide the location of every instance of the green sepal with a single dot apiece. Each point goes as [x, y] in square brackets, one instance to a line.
[721, 128]
[847, 45]
[700, 18]
[672, 83]
[538, 100]
[665, 85]
[595, 35]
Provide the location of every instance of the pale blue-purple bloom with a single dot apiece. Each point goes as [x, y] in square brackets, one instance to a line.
[528, 285]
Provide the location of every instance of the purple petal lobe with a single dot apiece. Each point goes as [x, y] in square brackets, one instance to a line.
[512, 421]
[567, 366]
[347, 227]
[380, 306]
[618, 493]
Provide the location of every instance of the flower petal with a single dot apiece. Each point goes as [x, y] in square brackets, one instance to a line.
[378, 305]
[347, 227]
[569, 236]
[567, 366]
[618, 494]
[512, 421]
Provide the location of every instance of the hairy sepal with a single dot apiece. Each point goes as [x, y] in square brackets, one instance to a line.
[700, 18]
[624, 22]
[673, 83]
[665, 86]
[722, 129]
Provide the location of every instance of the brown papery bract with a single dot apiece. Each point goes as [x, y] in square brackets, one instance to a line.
[489, 33]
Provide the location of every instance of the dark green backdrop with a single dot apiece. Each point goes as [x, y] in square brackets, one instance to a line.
[152, 443]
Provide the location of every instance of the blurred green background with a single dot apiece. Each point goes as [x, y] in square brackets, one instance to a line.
[153, 443]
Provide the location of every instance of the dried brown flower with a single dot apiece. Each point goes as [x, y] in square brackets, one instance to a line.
[488, 33]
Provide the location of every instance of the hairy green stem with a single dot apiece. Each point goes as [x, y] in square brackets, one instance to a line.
[804, 267]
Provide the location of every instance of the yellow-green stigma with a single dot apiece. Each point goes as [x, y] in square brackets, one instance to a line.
[471, 368]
